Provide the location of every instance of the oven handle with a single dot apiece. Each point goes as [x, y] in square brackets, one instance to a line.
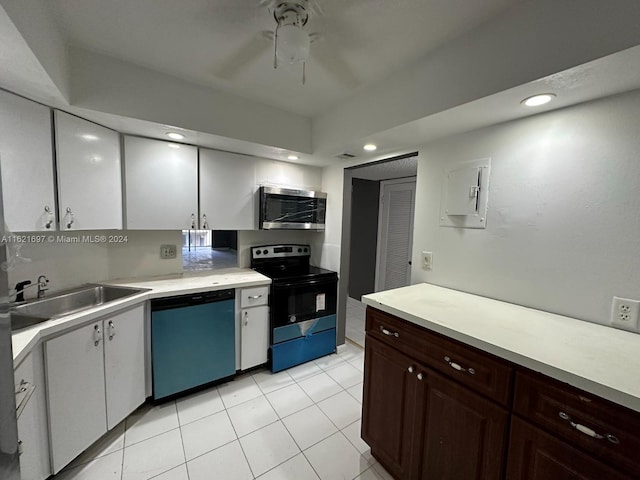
[304, 283]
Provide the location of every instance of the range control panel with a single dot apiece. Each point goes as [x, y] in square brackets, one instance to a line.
[279, 251]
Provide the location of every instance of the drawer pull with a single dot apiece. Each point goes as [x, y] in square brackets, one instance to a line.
[255, 297]
[459, 367]
[420, 377]
[410, 369]
[587, 431]
[389, 333]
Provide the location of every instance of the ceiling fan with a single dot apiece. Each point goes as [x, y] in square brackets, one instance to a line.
[291, 43]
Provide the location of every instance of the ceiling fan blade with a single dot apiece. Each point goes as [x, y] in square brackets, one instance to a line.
[246, 54]
[329, 59]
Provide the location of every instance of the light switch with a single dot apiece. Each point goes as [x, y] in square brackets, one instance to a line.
[427, 260]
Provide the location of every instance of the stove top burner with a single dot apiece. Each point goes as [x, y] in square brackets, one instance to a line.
[286, 262]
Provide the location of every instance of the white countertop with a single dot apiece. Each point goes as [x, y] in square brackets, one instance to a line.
[24, 340]
[596, 358]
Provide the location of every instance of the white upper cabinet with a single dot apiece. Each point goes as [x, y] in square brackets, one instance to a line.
[161, 185]
[26, 156]
[227, 191]
[89, 174]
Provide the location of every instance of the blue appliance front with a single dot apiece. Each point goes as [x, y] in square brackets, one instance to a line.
[192, 346]
[300, 342]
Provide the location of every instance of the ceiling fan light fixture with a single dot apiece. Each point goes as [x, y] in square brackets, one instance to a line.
[292, 44]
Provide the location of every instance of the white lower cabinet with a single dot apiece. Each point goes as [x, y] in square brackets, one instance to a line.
[33, 431]
[254, 327]
[95, 378]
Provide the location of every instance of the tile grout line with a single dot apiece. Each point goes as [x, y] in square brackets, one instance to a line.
[184, 451]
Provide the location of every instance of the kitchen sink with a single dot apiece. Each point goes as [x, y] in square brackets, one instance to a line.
[65, 303]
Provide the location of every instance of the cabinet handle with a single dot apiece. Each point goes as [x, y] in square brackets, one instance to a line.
[588, 431]
[389, 333]
[205, 225]
[112, 330]
[97, 335]
[410, 369]
[459, 367]
[71, 218]
[419, 376]
[246, 318]
[193, 220]
[49, 213]
[255, 297]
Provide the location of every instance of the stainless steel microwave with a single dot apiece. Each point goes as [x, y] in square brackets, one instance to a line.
[284, 208]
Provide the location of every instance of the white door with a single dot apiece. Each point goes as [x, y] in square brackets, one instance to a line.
[124, 364]
[161, 185]
[89, 175]
[26, 154]
[227, 191]
[254, 336]
[395, 233]
[75, 387]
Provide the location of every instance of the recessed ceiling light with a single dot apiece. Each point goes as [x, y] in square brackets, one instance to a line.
[175, 136]
[538, 100]
[293, 157]
[370, 147]
[173, 145]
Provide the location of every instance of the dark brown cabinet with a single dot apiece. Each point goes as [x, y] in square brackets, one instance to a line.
[437, 409]
[388, 411]
[462, 435]
[536, 455]
[421, 425]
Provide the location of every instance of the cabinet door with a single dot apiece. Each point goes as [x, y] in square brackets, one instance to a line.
[536, 455]
[124, 364]
[26, 156]
[388, 407]
[161, 184]
[254, 336]
[463, 434]
[75, 386]
[227, 191]
[89, 174]
[33, 430]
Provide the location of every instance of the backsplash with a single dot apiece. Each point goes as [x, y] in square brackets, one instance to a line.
[68, 263]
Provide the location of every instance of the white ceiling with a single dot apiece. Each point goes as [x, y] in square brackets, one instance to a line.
[147, 66]
[194, 39]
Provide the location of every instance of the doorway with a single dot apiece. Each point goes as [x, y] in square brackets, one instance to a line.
[380, 233]
[395, 233]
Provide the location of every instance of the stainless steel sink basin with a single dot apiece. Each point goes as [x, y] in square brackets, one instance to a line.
[65, 303]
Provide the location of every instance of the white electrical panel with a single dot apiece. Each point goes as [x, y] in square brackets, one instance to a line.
[464, 194]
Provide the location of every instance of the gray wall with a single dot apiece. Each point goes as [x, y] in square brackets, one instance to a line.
[365, 200]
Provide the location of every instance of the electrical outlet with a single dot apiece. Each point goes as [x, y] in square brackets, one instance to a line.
[625, 313]
[427, 260]
[168, 251]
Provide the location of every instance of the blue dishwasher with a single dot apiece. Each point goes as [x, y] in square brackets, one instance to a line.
[192, 341]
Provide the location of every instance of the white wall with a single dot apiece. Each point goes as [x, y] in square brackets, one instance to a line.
[69, 265]
[563, 224]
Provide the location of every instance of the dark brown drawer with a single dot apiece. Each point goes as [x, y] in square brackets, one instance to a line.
[606, 430]
[473, 368]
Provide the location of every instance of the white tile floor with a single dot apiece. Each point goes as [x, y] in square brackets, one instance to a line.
[303, 423]
[355, 321]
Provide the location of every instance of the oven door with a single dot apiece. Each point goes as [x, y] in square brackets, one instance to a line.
[297, 301]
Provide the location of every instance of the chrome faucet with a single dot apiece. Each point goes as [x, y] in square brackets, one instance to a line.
[22, 286]
[42, 285]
